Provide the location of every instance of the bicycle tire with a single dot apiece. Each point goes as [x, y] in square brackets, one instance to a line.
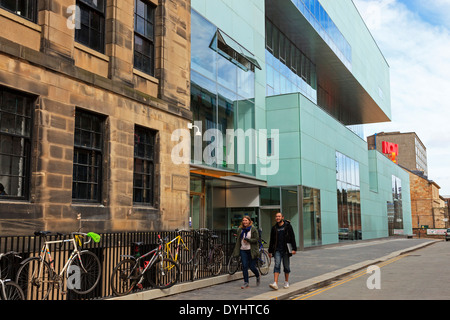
[13, 291]
[263, 263]
[197, 261]
[163, 274]
[90, 271]
[233, 265]
[124, 277]
[187, 252]
[216, 261]
[33, 287]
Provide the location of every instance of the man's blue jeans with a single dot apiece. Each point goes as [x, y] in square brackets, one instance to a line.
[247, 261]
[280, 256]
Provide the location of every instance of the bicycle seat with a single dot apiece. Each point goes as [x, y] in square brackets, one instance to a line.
[214, 236]
[42, 233]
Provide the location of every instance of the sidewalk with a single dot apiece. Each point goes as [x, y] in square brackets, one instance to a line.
[309, 269]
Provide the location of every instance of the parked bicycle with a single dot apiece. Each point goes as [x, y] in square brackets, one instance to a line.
[263, 263]
[130, 273]
[209, 254]
[181, 248]
[9, 290]
[37, 275]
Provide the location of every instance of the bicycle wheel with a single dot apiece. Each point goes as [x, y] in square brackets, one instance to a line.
[196, 262]
[216, 261]
[13, 291]
[124, 277]
[83, 272]
[35, 277]
[263, 263]
[163, 274]
[233, 265]
[187, 252]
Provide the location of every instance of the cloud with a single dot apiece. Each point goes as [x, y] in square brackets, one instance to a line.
[417, 50]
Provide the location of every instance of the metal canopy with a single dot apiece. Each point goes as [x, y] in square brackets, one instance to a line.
[332, 74]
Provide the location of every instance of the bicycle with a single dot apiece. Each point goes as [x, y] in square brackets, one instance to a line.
[181, 249]
[9, 290]
[184, 242]
[208, 253]
[263, 263]
[37, 276]
[160, 271]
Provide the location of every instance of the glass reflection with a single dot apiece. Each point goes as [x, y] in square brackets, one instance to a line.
[312, 220]
[348, 198]
[222, 92]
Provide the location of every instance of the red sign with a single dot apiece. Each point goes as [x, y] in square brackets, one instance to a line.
[391, 150]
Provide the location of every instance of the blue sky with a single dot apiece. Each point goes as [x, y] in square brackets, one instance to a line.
[414, 36]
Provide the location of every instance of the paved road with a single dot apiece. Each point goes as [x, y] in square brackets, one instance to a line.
[306, 265]
[420, 275]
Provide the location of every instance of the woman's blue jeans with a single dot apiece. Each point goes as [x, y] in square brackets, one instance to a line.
[248, 262]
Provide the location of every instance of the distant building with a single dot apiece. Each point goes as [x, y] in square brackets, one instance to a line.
[426, 208]
[412, 152]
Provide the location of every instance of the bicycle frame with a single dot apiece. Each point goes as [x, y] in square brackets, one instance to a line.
[168, 249]
[45, 252]
[156, 254]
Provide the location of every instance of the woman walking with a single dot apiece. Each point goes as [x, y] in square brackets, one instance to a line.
[247, 248]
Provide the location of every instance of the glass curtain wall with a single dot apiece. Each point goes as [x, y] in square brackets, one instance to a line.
[395, 208]
[349, 198]
[305, 218]
[312, 220]
[288, 70]
[222, 94]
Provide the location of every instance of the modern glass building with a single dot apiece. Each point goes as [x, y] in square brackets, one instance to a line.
[280, 91]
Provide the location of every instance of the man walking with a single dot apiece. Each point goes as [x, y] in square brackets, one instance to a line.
[282, 246]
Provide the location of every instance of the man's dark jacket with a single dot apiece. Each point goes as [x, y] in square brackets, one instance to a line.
[289, 237]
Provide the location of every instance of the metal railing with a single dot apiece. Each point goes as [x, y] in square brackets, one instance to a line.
[109, 250]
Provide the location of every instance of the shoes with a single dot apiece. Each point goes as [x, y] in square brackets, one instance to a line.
[245, 286]
[258, 281]
[286, 285]
[274, 286]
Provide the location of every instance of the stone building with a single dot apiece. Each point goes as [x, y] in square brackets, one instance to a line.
[426, 209]
[412, 153]
[90, 94]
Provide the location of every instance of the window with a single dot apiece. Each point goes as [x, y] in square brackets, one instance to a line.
[15, 144]
[92, 24]
[349, 198]
[87, 157]
[144, 166]
[26, 9]
[144, 36]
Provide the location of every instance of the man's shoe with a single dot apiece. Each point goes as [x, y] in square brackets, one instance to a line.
[245, 286]
[274, 286]
[286, 285]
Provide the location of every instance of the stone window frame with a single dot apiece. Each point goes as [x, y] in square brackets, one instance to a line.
[93, 10]
[24, 159]
[147, 39]
[93, 149]
[145, 154]
[31, 13]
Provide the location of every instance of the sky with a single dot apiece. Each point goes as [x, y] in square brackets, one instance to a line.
[414, 36]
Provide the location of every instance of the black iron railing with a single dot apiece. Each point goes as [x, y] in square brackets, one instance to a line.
[109, 250]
